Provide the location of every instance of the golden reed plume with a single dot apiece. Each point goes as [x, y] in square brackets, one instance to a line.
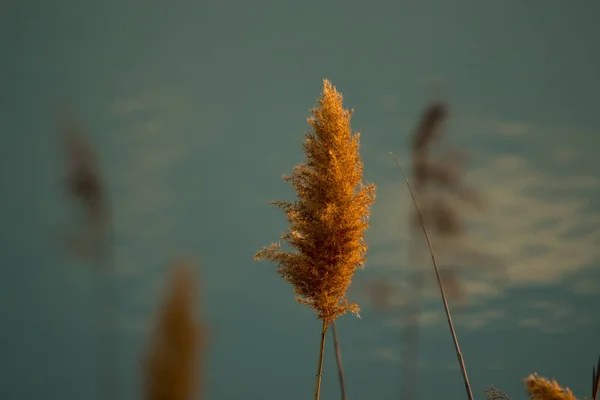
[328, 221]
[172, 370]
[539, 388]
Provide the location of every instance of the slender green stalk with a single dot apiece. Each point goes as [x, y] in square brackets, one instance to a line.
[338, 357]
[320, 367]
[461, 362]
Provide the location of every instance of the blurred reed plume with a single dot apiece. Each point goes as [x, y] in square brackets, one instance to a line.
[461, 363]
[173, 365]
[434, 174]
[328, 221]
[85, 185]
[539, 388]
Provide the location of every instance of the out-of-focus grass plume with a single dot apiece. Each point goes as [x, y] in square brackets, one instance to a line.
[85, 185]
[439, 173]
[172, 367]
[436, 176]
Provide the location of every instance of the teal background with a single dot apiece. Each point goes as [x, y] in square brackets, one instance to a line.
[197, 108]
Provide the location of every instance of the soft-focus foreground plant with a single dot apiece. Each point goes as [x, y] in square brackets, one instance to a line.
[172, 368]
[328, 220]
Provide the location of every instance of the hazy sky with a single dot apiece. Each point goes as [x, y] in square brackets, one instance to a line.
[197, 108]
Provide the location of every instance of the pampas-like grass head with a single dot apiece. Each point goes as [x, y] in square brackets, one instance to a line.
[328, 220]
[539, 388]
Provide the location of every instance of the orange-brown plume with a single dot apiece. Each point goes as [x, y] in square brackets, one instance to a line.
[328, 220]
[172, 366]
[539, 388]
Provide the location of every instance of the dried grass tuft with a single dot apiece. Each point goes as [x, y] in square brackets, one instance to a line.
[328, 220]
[493, 393]
[539, 388]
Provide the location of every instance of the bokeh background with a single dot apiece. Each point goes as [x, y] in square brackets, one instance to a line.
[196, 109]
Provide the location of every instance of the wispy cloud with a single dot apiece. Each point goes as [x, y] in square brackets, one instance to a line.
[585, 286]
[510, 127]
[539, 228]
[542, 238]
[469, 320]
[386, 355]
[553, 317]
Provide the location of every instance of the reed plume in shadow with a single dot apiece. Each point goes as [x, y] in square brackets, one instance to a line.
[91, 241]
[439, 184]
[435, 176]
[85, 185]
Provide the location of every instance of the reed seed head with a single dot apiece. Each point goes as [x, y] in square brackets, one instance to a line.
[83, 176]
[328, 220]
[84, 184]
[539, 388]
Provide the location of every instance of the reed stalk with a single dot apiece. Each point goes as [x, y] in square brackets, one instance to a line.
[338, 358]
[459, 355]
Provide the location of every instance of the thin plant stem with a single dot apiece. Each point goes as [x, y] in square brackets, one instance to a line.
[320, 367]
[441, 286]
[410, 354]
[84, 182]
[596, 381]
[338, 357]
[112, 318]
[107, 299]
